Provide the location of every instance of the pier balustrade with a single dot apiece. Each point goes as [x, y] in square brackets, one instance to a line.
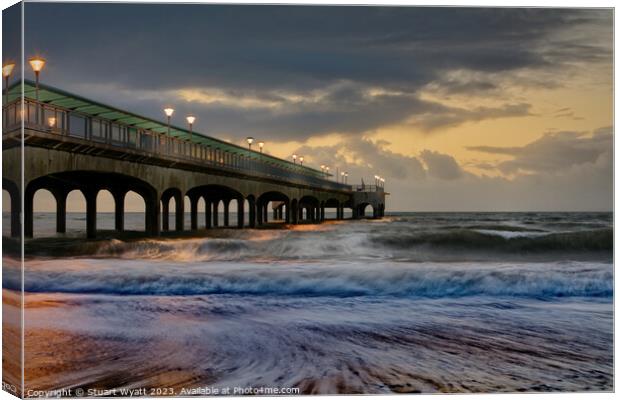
[55, 120]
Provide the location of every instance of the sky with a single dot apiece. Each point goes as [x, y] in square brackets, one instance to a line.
[460, 109]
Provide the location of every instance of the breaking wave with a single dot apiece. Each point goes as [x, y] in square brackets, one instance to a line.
[432, 280]
[477, 243]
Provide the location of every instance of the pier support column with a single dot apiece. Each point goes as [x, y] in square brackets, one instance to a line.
[16, 225]
[119, 209]
[91, 212]
[240, 212]
[226, 209]
[216, 213]
[275, 214]
[179, 212]
[151, 221]
[60, 195]
[266, 212]
[165, 215]
[322, 213]
[16, 205]
[259, 213]
[193, 202]
[252, 212]
[28, 212]
[287, 212]
[208, 213]
[292, 213]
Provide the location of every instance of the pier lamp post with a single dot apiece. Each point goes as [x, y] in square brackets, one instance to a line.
[382, 182]
[342, 176]
[168, 111]
[190, 120]
[37, 64]
[301, 160]
[323, 169]
[346, 175]
[7, 70]
[327, 172]
[250, 140]
[294, 158]
[261, 144]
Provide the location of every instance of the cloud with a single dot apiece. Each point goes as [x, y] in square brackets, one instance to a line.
[292, 74]
[553, 152]
[364, 158]
[562, 171]
[269, 71]
[444, 117]
[441, 166]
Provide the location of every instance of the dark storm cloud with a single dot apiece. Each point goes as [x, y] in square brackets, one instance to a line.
[264, 51]
[12, 37]
[166, 46]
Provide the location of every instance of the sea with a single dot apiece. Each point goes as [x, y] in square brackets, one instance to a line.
[412, 303]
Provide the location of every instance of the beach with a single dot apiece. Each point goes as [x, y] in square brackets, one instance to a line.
[413, 303]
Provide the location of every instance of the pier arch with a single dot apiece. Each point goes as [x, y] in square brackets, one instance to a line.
[89, 183]
[333, 206]
[308, 208]
[174, 195]
[105, 203]
[43, 202]
[280, 205]
[135, 202]
[217, 200]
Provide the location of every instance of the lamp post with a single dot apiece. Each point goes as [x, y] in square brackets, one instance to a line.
[261, 144]
[190, 120]
[250, 140]
[327, 172]
[342, 176]
[7, 70]
[37, 64]
[301, 160]
[382, 182]
[294, 158]
[323, 170]
[169, 111]
[346, 175]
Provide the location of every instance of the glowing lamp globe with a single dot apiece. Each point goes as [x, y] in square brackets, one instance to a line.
[7, 70]
[37, 63]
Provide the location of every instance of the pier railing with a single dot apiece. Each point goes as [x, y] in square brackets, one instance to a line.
[367, 188]
[55, 120]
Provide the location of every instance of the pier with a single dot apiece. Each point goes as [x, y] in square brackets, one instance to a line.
[67, 142]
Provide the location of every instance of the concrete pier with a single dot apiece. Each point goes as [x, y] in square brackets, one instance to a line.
[61, 160]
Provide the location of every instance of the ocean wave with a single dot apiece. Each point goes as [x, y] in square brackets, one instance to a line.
[596, 240]
[391, 279]
[179, 250]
